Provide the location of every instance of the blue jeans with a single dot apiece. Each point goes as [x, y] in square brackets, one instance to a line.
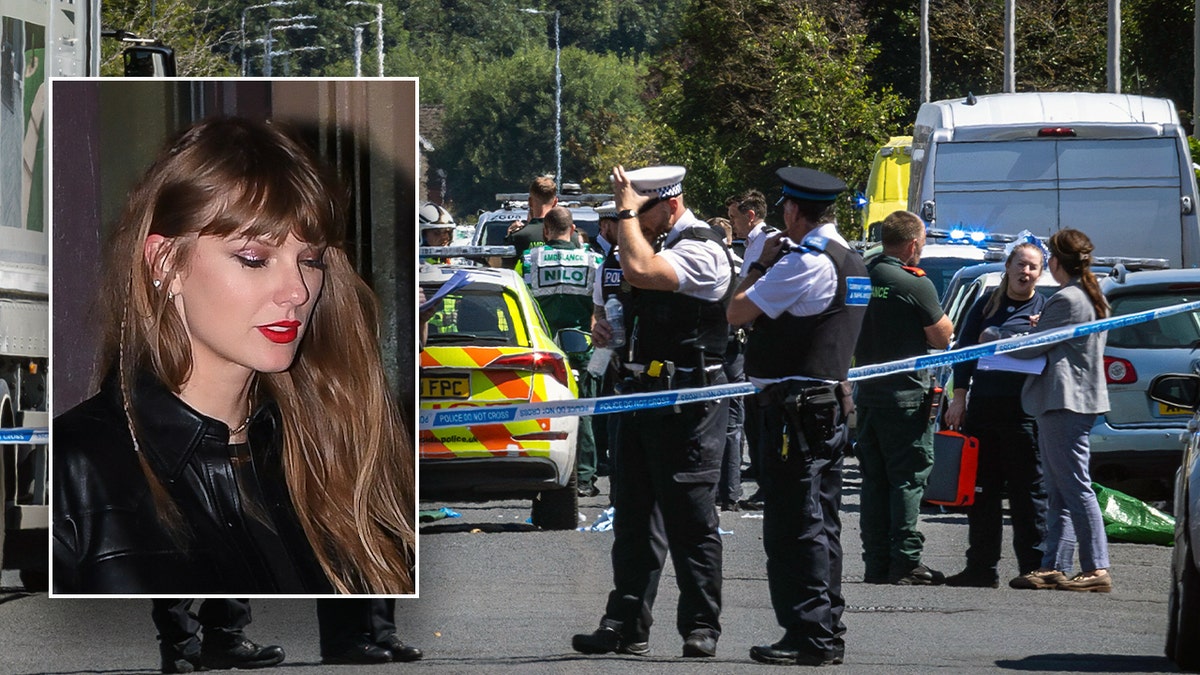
[1072, 510]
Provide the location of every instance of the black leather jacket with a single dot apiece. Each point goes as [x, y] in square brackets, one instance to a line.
[107, 534]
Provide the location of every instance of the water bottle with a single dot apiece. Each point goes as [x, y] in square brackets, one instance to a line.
[598, 364]
[615, 313]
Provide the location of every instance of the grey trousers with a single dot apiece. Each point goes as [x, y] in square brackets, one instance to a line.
[1072, 513]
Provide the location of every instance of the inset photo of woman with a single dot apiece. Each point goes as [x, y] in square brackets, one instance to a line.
[232, 380]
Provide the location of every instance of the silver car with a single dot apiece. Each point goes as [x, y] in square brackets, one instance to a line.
[1138, 439]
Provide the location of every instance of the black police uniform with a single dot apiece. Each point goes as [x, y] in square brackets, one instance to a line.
[668, 463]
[802, 479]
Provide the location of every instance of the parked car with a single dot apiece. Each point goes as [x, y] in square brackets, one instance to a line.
[493, 225]
[1182, 392]
[1137, 439]
[489, 345]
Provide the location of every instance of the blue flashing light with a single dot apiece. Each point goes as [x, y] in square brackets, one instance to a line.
[859, 201]
[957, 234]
[978, 237]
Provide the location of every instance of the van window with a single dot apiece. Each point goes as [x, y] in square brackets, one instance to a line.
[1115, 190]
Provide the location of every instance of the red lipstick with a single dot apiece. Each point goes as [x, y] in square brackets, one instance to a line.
[280, 332]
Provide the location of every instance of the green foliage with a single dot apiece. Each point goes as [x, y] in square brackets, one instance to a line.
[190, 27]
[1156, 49]
[759, 84]
[499, 121]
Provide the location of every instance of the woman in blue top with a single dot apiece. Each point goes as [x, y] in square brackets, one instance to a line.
[1008, 450]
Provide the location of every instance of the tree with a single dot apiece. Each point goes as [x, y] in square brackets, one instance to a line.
[758, 84]
[499, 120]
[187, 26]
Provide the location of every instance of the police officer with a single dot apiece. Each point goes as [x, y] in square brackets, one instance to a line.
[560, 276]
[806, 302]
[895, 437]
[608, 284]
[678, 270]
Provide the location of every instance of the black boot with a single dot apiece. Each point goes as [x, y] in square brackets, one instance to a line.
[235, 650]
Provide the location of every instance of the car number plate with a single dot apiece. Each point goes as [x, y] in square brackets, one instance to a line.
[1171, 411]
[446, 386]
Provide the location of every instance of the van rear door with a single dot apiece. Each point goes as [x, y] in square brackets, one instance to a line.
[1124, 192]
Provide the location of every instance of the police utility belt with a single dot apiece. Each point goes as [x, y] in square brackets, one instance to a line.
[665, 375]
[812, 412]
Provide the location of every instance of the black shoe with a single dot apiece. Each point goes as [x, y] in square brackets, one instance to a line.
[875, 579]
[700, 645]
[238, 651]
[401, 652]
[754, 502]
[588, 491]
[970, 578]
[919, 576]
[361, 653]
[780, 654]
[730, 505]
[606, 639]
[175, 661]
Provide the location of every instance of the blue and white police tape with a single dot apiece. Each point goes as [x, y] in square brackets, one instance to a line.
[436, 419]
[1015, 343]
[30, 435]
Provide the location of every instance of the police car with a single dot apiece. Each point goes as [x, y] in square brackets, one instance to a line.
[493, 225]
[488, 345]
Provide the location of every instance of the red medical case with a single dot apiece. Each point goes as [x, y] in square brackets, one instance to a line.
[955, 461]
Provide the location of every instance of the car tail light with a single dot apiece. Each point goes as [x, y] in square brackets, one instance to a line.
[1119, 371]
[1056, 132]
[539, 362]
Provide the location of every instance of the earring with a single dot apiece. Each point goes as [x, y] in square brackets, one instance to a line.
[157, 283]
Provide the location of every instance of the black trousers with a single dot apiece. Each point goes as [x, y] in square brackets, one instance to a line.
[1008, 463]
[802, 531]
[663, 491]
[178, 626]
[345, 622]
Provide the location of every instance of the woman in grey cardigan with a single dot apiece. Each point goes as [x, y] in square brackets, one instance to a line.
[1065, 398]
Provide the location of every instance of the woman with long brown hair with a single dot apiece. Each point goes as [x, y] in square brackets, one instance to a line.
[1065, 399]
[243, 439]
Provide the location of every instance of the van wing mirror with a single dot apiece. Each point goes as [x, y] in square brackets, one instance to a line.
[1175, 389]
[1186, 207]
[149, 61]
[927, 211]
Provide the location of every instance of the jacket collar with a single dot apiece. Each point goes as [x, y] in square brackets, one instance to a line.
[170, 433]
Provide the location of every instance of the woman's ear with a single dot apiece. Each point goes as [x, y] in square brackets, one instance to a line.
[158, 252]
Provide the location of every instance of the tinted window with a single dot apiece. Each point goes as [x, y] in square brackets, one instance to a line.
[941, 270]
[473, 317]
[1175, 331]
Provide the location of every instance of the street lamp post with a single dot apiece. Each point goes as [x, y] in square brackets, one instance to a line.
[557, 95]
[287, 65]
[268, 40]
[273, 3]
[378, 29]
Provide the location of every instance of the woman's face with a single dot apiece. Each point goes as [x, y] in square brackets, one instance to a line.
[246, 303]
[1024, 270]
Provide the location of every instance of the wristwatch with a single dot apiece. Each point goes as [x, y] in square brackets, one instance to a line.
[626, 214]
[762, 269]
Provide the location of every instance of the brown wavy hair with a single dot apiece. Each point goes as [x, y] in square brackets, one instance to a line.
[1073, 250]
[347, 460]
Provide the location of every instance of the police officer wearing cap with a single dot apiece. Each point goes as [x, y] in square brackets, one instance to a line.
[679, 271]
[806, 301]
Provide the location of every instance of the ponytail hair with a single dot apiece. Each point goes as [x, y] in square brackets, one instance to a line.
[1073, 250]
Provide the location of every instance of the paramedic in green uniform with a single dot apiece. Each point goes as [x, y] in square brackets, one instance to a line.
[560, 276]
[895, 438]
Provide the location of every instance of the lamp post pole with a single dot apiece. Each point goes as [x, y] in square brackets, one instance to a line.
[269, 41]
[273, 3]
[557, 95]
[378, 29]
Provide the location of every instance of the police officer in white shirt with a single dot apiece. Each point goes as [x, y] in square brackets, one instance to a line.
[678, 271]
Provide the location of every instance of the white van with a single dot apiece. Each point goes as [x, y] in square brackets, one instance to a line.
[1115, 166]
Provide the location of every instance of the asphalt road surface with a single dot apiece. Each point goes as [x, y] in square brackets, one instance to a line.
[499, 596]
